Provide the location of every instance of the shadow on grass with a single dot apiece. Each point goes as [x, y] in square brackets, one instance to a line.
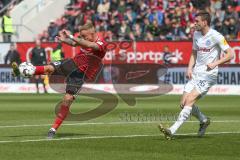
[181, 137]
[61, 135]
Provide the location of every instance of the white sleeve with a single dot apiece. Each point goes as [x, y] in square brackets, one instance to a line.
[222, 43]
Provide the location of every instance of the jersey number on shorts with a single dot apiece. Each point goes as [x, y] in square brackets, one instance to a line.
[202, 83]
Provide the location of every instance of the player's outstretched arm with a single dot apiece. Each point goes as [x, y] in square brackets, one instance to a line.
[226, 58]
[69, 42]
[63, 39]
[81, 42]
[85, 43]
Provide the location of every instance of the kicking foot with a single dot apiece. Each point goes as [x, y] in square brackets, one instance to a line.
[51, 133]
[15, 69]
[167, 133]
[203, 127]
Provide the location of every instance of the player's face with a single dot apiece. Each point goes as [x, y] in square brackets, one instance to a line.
[87, 35]
[199, 23]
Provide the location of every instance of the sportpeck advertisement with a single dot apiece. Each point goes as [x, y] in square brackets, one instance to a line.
[134, 66]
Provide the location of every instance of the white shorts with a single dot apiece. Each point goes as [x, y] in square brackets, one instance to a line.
[200, 83]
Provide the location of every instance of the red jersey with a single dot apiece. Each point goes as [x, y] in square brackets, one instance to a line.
[89, 61]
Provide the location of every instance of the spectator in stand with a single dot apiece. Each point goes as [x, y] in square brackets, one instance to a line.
[114, 5]
[165, 12]
[122, 7]
[103, 7]
[103, 16]
[233, 28]
[155, 31]
[44, 37]
[146, 30]
[225, 28]
[186, 16]
[130, 16]
[113, 29]
[218, 25]
[177, 31]
[156, 14]
[124, 31]
[12, 55]
[166, 30]
[133, 4]
[137, 34]
[230, 13]
[201, 4]
[103, 26]
[141, 10]
[53, 30]
[92, 4]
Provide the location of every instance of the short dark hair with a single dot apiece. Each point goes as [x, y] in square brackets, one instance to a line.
[205, 16]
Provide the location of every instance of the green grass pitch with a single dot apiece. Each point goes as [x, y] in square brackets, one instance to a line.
[128, 132]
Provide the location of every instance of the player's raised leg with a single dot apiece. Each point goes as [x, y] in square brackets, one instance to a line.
[38, 70]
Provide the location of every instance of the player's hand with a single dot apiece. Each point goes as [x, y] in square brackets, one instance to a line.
[189, 73]
[66, 33]
[211, 66]
[61, 37]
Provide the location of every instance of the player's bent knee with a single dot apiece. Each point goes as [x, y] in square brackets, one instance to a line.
[49, 69]
[68, 99]
[190, 100]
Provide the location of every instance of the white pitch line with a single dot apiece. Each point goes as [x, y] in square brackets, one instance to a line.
[107, 137]
[112, 123]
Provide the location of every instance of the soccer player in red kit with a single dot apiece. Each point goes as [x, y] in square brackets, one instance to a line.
[83, 67]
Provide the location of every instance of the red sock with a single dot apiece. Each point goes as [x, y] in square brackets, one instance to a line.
[62, 114]
[39, 70]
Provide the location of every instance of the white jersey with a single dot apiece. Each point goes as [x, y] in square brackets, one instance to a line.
[208, 49]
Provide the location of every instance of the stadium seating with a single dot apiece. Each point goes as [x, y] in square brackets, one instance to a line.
[147, 20]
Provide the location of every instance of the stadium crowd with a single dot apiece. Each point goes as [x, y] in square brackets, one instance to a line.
[146, 20]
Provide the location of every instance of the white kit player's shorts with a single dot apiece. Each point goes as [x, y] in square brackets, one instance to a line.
[201, 83]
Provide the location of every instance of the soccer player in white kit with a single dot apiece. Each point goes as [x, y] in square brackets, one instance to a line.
[202, 72]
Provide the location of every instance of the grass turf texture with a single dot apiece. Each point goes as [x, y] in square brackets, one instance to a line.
[125, 133]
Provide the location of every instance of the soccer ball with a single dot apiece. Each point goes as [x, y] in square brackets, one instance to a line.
[27, 69]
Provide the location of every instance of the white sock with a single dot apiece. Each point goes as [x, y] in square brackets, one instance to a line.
[183, 116]
[198, 114]
[53, 129]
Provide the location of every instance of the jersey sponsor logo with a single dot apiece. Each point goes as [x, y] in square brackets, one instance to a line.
[202, 49]
[208, 42]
